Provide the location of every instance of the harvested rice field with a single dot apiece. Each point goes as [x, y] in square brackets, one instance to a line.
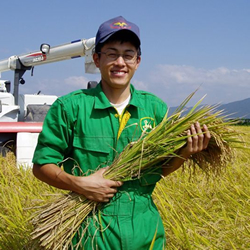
[198, 211]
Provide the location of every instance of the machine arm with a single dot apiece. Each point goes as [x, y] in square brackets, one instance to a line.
[48, 54]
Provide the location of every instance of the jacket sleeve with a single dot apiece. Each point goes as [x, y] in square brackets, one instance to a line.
[54, 139]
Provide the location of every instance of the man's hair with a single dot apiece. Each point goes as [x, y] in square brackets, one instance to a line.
[122, 36]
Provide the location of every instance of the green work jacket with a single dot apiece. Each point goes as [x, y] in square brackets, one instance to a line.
[83, 129]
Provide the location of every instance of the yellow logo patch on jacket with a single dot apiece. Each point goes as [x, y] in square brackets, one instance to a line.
[147, 124]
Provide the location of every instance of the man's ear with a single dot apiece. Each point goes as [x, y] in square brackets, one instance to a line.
[96, 60]
[138, 60]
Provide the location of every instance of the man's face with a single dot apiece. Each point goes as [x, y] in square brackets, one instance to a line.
[117, 72]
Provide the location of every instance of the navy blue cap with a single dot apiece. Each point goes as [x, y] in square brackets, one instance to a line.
[110, 27]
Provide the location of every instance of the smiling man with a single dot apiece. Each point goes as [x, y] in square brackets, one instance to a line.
[89, 128]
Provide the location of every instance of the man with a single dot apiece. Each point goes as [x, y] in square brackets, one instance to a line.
[85, 130]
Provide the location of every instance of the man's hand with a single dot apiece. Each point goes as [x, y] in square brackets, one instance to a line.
[198, 139]
[95, 187]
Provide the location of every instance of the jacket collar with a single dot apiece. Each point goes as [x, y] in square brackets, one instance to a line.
[102, 102]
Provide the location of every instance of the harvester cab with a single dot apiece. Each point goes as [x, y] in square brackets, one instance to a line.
[21, 115]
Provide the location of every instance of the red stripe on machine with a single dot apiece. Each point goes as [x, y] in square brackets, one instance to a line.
[15, 127]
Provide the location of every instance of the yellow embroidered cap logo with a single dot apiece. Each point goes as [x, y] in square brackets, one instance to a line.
[147, 124]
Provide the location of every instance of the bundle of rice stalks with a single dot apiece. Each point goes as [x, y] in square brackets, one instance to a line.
[58, 221]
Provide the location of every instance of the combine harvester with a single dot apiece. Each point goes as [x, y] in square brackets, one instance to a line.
[22, 115]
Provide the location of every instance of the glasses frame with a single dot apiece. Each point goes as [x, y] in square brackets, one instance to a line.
[111, 59]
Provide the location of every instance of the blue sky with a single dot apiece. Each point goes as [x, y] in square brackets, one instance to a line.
[186, 44]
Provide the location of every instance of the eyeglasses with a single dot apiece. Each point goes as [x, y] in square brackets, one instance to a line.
[128, 57]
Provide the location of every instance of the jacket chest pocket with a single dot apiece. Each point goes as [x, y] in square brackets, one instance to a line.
[93, 152]
[95, 144]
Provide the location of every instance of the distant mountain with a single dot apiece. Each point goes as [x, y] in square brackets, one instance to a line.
[238, 109]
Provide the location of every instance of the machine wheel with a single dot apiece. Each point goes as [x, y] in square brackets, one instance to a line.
[7, 148]
[4, 151]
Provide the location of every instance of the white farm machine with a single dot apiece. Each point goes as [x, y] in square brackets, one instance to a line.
[22, 115]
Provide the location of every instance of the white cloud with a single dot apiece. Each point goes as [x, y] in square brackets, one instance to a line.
[80, 82]
[140, 85]
[173, 83]
[189, 74]
[53, 86]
